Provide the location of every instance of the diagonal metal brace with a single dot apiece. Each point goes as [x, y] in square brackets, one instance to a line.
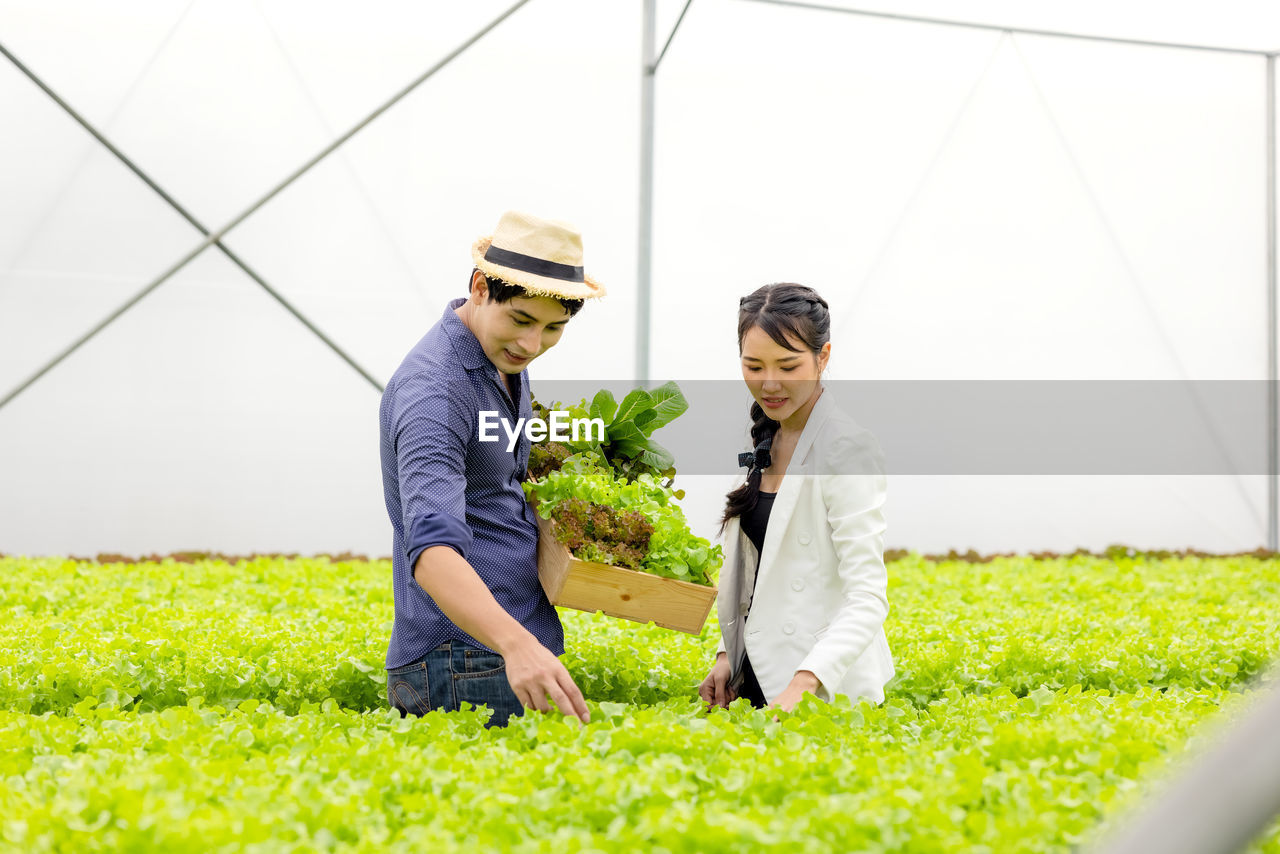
[189, 217]
[215, 238]
[653, 68]
[949, 22]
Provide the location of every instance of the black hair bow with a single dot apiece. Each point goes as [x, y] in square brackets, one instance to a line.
[757, 459]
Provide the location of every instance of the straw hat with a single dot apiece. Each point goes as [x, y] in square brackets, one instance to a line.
[542, 256]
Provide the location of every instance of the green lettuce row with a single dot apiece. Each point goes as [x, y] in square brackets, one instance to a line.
[995, 773]
[157, 634]
[1019, 623]
[154, 635]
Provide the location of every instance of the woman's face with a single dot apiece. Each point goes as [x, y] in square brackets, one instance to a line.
[782, 381]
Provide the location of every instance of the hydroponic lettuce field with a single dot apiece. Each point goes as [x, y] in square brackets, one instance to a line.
[215, 706]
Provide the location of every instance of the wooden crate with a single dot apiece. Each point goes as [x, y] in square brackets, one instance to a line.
[588, 586]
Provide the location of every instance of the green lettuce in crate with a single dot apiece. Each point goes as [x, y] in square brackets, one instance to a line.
[628, 447]
[612, 499]
[640, 517]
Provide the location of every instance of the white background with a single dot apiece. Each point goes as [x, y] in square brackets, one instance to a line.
[973, 205]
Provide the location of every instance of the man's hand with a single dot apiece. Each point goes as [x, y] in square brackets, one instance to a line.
[532, 670]
[715, 690]
[535, 674]
[804, 682]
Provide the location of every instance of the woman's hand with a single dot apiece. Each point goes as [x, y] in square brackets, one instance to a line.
[715, 690]
[804, 682]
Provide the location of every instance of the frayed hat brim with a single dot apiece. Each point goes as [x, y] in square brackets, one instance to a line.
[533, 284]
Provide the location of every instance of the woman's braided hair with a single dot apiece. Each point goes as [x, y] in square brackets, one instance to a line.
[783, 311]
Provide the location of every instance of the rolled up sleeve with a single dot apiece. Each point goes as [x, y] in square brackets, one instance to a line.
[432, 422]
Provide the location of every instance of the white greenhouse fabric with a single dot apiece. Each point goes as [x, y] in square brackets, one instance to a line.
[973, 205]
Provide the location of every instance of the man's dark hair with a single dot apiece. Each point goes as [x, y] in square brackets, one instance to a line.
[500, 291]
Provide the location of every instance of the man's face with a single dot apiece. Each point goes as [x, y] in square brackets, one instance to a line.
[514, 333]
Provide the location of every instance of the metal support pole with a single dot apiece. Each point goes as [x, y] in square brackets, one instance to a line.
[1273, 406]
[1222, 799]
[644, 248]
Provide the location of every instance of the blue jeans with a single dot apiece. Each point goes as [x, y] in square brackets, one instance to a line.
[451, 674]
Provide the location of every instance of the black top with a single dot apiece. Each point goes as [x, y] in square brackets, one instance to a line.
[756, 522]
[754, 525]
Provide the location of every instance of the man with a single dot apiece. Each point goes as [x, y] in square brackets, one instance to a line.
[472, 623]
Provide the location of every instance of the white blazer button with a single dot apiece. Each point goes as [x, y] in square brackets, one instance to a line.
[797, 584]
[788, 628]
[803, 538]
[744, 609]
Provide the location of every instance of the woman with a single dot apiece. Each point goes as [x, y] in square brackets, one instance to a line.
[802, 598]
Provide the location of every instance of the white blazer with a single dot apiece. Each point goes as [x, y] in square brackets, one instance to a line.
[820, 596]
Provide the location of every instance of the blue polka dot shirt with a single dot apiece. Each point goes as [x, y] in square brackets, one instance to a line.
[443, 486]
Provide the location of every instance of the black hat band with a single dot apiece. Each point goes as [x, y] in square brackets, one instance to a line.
[537, 266]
